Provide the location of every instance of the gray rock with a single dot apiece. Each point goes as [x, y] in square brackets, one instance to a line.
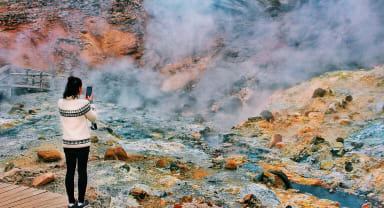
[266, 196]
[267, 115]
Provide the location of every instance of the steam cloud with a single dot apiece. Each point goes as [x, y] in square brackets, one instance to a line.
[267, 46]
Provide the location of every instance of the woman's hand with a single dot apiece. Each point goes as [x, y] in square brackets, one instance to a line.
[90, 98]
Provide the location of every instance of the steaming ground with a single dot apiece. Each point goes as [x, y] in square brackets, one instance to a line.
[262, 47]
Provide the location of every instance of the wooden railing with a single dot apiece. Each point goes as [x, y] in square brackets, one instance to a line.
[12, 77]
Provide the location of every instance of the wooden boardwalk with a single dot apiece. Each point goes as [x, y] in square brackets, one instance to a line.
[24, 197]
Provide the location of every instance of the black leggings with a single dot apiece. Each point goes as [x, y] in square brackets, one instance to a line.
[81, 156]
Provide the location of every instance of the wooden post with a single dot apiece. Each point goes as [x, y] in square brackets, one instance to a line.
[9, 82]
[41, 81]
[26, 77]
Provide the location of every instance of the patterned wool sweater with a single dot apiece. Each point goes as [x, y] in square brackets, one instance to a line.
[74, 114]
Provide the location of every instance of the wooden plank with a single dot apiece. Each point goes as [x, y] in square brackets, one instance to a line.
[26, 200]
[3, 185]
[46, 198]
[9, 197]
[21, 195]
[8, 188]
[60, 203]
[12, 192]
[25, 197]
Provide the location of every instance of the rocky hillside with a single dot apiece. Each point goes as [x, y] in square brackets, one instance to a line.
[59, 35]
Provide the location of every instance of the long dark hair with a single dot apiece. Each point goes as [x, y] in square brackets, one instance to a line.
[72, 87]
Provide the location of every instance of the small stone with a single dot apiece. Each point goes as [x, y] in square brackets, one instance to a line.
[317, 140]
[49, 155]
[276, 139]
[251, 200]
[125, 168]
[371, 195]
[173, 166]
[280, 145]
[162, 163]
[319, 92]
[231, 164]
[42, 138]
[267, 115]
[345, 122]
[84, 31]
[17, 107]
[338, 145]
[9, 166]
[327, 165]
[187, 199]
[157, 136]
[339, 139]
[348, 98]
[366, 205]
[109, 143]
[140, 192]
[348, 166]
[44, 179]
[94, 139]
[357, 145]
[32, 112]
[196, 135]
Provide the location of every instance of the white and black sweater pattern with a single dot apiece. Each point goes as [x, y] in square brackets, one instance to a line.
[74, 114]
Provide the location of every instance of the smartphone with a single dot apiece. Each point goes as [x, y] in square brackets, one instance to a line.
[89, 91]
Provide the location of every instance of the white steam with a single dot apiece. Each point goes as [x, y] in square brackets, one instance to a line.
[264, 48]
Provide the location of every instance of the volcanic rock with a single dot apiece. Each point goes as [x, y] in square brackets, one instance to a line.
[327, 165]
[267, 115]
[280, 145]
[162, 163]
[125, 168]
[94, 139]
[140, 191]
[49, 155]
[339, 139]
[348, 166]
[276, 139]
[17, 107]
[266, 196]
[231, 164]
[173, 166]
[251, 201]
[9, 166]
[348, 98]
[283, 177]
[116, 154]
[44, 179]
[317, 140]
[319, 92]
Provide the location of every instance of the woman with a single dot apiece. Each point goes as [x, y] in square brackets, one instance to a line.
[74, 113]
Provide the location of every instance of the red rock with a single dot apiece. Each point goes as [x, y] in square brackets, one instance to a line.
[179, 205]
[231, 164]
[276, 139]
[139, 193]
[162, 163]
[187, 199]
[116, 154]
[49, 155]
[366, 205]
[280, 145]
[44, 179]
[246, 198]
